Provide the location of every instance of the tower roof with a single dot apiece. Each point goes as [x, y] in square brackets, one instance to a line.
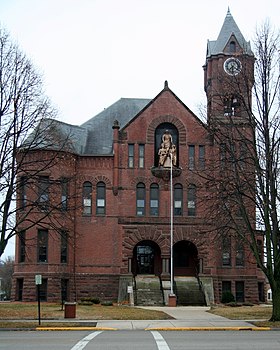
[229, 29]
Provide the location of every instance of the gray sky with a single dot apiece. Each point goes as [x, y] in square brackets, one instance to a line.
[93, 52]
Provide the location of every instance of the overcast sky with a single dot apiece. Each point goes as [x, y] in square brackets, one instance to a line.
[93, 52]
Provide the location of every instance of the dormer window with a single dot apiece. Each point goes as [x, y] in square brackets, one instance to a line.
[232, 47]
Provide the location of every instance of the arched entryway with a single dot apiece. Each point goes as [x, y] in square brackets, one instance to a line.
[185, 257]
[146, 259]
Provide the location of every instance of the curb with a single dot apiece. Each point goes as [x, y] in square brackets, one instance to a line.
[208, 329]
[75, 329]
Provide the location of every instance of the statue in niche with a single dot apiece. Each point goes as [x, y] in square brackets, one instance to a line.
[167, 151]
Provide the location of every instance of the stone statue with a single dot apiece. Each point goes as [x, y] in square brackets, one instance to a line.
[167, 151]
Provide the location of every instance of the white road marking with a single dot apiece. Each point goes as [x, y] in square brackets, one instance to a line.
[83, 343]
[161, 343]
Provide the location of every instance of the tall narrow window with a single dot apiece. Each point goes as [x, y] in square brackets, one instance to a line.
[22, 192]
[191, 157]
[130, 155]
[87, 196]
[43, 192]
[22, 246]
[154, 200]
[44, 290]
[223, 155]
[63, 246]
[239, 291]
[178, 200]
[201, 157]
[239, 258]
[100, 198]
[64, 194]
[191, 200]
[226, 251]
[140, 199]
[42, 245]
[232, 47]
[141, 156]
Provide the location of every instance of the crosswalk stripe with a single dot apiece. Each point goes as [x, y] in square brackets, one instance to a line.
[83, 343]
[161, 343]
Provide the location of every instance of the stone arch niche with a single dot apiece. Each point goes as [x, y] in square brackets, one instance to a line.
[166, 151]
[185, 256]
[146, 258]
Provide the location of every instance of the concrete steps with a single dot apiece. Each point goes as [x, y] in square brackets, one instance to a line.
[148, 291]
[188, 291]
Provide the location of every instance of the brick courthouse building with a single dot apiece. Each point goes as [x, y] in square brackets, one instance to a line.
[118, 174]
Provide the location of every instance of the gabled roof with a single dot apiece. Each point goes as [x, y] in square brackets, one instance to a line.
[99, 128]
[228, 29]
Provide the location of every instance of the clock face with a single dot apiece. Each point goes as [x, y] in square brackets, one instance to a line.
[232, 66]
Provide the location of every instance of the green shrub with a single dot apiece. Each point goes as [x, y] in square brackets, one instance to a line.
[107, 303]
[89, 300]
[227, 297]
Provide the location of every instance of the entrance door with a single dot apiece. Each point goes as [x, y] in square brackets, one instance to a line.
[185, 259]
[146, 258]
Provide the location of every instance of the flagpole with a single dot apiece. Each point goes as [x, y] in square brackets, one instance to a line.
[171, 227]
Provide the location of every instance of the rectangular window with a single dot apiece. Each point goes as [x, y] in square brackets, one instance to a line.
[130, 155]
[201, 157]
[239, 292]
[100, 198]
[226, 253]
[43, 192]
[223, 155]
[64, 289]
[22, 247]
[42, 245]
[140, 199]
[191, 200]
[239, 258]
[178, 200]
[63, 246]
[19, 289]
[191, 157]
[64, 194]
[22, 191]
[154, 200]
[44, 290]
[141, 156]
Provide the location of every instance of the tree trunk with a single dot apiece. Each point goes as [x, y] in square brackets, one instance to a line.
[276, 302]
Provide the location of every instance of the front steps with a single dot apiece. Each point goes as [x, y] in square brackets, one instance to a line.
[148, 290]
[188, 291]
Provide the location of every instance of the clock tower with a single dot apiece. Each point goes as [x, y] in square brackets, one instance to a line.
[228, 75]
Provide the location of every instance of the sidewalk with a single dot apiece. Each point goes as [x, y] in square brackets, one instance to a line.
[185, 318]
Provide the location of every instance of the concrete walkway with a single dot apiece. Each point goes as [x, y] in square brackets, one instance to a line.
[185, 317]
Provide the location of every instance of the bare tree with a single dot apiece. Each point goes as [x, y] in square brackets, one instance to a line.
[245, 178]
[26, 126]
[6, 273]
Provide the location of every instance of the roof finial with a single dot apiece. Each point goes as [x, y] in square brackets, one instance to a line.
[228, 12]
[166, 85]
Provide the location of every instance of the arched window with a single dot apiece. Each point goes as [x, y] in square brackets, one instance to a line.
[178, 200]
[87, 194]
[154, 200]
[191, 200]
[232, 46]
[140, 199]
[100, 198]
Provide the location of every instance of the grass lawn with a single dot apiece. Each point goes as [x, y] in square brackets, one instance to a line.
[51, 311]
[262, 313]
